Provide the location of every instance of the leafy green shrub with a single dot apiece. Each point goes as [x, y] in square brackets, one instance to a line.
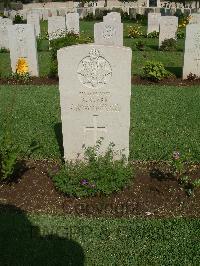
[19, 20]
[97, 174]
[153, 35]
[155, 71]
[169, 45]
[140, 45]
[19, 78]
[67, 40]
[135, 31]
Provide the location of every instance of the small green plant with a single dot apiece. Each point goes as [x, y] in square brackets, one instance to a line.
[180, 34]
[135, 31]
[154, 71]
[4, 50]
[169, 45]
[140, 45]
[179, 166]
[96, 174]
[153, 35]
[19, 20]
[192, 76]
[20, 78]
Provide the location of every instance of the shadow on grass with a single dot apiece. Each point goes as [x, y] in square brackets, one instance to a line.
[22, 243]
[177, 71]
[59, 137]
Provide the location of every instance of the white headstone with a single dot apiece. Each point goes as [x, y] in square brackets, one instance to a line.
[195, 19]
[95, 91]
[112, 17]
[22, 43]
[62, 12]
[56, 27]
[168, 28]
[153, 22]
[54, 12]
[72, 22]
[34, 19]
[4, 23]
[108, 33]
[37, 11]
[45, 13]
[192, 51]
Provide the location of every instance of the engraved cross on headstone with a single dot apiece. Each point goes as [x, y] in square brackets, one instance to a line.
[95, 129]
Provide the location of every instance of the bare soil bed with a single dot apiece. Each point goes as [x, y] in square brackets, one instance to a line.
[153, 193]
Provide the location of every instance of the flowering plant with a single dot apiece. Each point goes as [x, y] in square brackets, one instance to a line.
[135, 32]
[184, 21]
[22, 66]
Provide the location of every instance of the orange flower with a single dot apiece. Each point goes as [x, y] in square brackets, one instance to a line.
[22, 66]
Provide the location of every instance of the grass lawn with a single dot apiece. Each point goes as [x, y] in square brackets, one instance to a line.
[58, 240]
[163, 119]
[172, 60]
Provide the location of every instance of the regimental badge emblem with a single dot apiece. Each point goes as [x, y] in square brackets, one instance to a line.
[94, 71]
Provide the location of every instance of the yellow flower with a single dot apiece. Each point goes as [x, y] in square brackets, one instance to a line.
[22, 66]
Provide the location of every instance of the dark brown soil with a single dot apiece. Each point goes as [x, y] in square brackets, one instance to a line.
[137, 80]
[31, 81]
[153, 193]
[172, 81]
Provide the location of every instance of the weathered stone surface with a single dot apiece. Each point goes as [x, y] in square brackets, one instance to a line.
[108, 33]
[153, 22]
[95, 91]
[56, 27]
[168, 28]
[195, 19]
[4, 23]
[34, 19]
[192, 51]
[22, 43]
[72, 22]
[112, 17]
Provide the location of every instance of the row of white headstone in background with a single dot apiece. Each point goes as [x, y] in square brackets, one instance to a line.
[43, 13]
[154, 20]
[21, 41]
[57, 25]
[166, 25]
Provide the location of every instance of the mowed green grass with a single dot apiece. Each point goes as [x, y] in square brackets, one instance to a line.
[59, 240]
[163, 119]
[172, 60]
